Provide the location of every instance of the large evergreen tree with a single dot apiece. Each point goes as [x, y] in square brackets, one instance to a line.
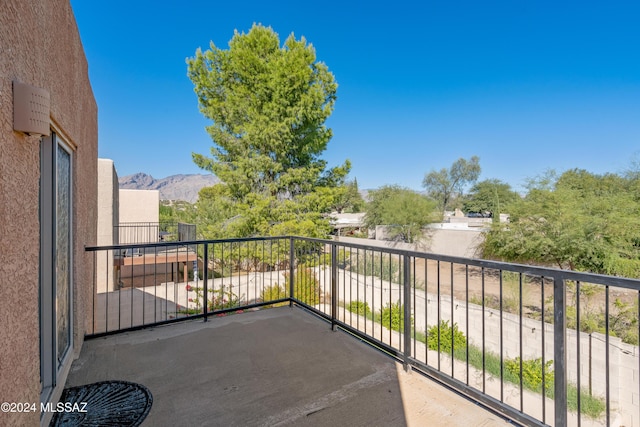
[268, 104]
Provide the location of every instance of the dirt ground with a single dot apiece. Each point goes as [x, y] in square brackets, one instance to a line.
[470, 281]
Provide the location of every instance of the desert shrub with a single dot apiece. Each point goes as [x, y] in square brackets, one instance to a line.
[591, 406]
[446, 332]
[325, 258]
[622, 316]
[386, 267]
[624, 321]
[306, 285]
[211, 274]
[532, 372]
[223, 299]
[274, 292]
[359, 307]
[219, 299]
[392, 316]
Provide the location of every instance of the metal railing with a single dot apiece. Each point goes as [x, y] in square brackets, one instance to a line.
[152, 232]
[541, 346]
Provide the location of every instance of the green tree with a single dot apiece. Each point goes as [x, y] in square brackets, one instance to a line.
[581, 221]
[268, 104]
[167, 213]
[172, 212]
[632, 172]
[446, 184]
[491, 195]
[347, 198]
[215, 212]
[403, 210]
[355, 199]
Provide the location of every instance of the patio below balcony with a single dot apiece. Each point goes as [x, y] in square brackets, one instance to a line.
[279, 366]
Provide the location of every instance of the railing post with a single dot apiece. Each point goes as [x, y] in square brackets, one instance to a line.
[559, 350]
[291, 263]
[334, 284]
[205, 276]
[406, 283]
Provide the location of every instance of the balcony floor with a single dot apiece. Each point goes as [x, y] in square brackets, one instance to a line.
[280, 366]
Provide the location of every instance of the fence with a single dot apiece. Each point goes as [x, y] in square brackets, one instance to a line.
[152, 232]
[533, 343]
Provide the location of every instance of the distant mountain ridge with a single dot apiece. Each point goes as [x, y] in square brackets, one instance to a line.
[174, 187]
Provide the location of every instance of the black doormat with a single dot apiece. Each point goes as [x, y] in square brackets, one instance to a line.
[106, 403]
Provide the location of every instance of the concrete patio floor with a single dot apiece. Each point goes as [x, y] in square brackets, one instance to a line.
[282, 366]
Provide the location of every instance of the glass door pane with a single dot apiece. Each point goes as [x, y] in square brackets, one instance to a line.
[63, 251]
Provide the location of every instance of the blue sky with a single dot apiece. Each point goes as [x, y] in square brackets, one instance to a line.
[525, 85]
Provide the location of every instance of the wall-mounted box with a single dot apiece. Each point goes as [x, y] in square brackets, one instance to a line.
[31, 106]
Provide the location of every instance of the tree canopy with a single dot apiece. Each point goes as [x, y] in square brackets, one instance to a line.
[581, 221]
[446, 184]
[491, 195]
[404, 211]
[268, 105]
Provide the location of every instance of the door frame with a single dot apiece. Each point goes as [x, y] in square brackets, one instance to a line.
[50, 364]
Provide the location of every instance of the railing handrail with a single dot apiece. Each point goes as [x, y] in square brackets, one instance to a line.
[183, 243]
[550, 272]
[133, 223]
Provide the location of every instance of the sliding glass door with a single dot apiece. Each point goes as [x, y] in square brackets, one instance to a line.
[55, 259]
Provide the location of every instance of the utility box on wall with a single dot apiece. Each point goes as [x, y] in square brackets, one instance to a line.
[31, 109]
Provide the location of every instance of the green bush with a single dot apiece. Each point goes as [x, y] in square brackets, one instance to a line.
[306, 286]
[532, 371]
[359, 307]
[446, 332]
[274, 292]
[325, 258]
[223, 299]
[591, 406]
[210, 274]
[387, 267]
[392, 317]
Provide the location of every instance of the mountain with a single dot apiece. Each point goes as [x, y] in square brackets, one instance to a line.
[174, 187]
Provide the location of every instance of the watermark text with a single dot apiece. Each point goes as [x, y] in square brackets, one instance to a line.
[21, 407]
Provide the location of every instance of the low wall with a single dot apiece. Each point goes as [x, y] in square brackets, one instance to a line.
[445, 241]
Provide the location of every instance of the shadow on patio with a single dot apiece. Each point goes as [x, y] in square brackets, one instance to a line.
[281, 366]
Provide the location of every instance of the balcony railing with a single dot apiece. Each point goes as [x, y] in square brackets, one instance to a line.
[152, 232]
[542, 346]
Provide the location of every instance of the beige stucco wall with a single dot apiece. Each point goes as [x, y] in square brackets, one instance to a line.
[139, 206]
[108, 202]
[108, 214]
[40, 46]
[454, 242]
[462, 243]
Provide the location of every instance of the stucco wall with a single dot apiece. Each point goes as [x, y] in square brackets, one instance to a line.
[40, 46]
[108, 219]
[108, 202]
[139, 205]
[138, 208]
[462, 243]
[453, 242]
